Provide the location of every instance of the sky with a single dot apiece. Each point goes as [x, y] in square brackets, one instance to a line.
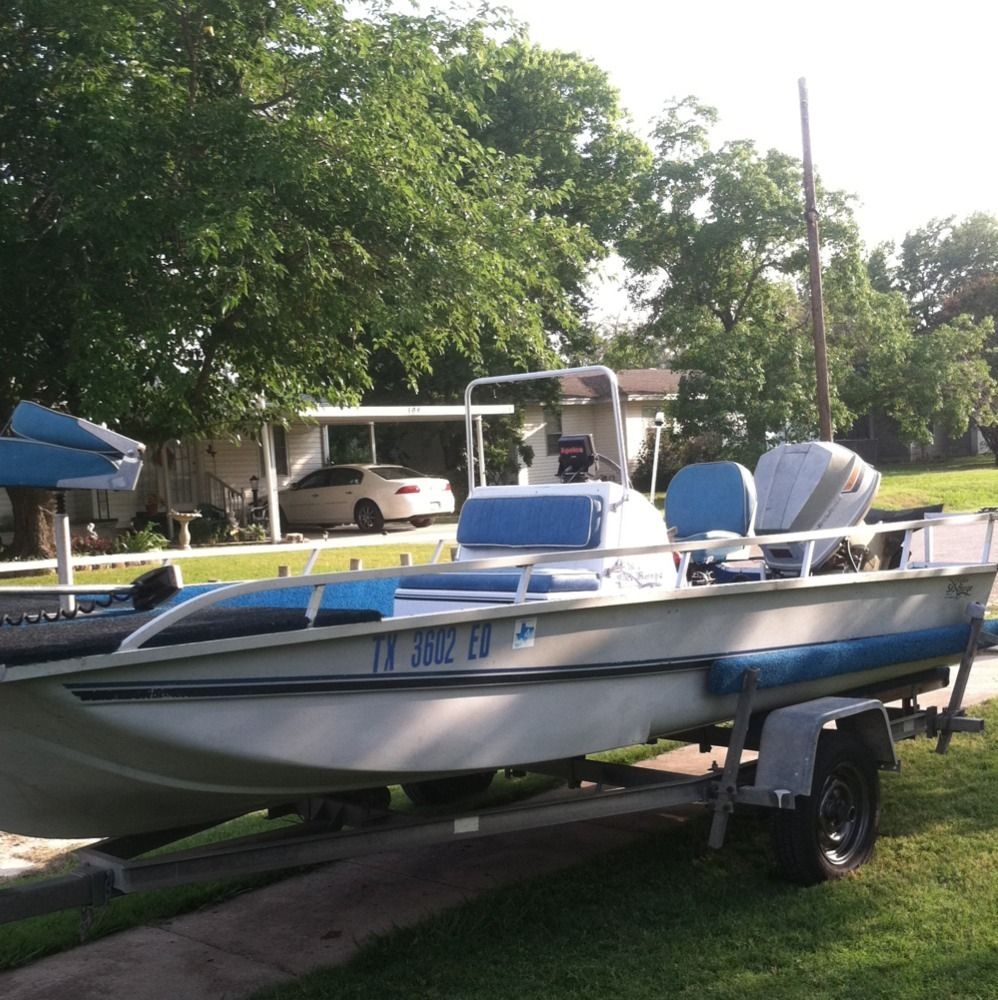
[901, 95]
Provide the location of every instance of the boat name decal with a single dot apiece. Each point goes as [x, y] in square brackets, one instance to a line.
[431, 647]
[960, 587]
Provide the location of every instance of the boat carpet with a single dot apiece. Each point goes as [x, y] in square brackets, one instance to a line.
[360, 595]
[792, 665]
[39, 643]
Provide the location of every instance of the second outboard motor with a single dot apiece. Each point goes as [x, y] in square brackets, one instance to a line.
[576, 456]
[804, 487]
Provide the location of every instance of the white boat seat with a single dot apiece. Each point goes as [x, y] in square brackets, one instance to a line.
[711, 500]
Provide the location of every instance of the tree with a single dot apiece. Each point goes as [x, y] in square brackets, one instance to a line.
[720, 254]
[948, 271]
[212, 206]
[942, 258]
[557, 115]
[723, 259]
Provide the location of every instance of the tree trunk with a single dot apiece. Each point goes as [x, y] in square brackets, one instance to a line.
[990, 435]
[33, 509]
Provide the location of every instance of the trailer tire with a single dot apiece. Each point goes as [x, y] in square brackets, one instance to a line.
[443, 791]
[832, 831]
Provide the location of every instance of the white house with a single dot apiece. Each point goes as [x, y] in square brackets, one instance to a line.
[585, 409]
[225, 473]
[184, 475]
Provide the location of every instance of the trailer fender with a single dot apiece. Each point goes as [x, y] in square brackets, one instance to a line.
[790, 741]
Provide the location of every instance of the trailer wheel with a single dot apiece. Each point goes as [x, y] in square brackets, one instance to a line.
[442, 791]
[832, 831]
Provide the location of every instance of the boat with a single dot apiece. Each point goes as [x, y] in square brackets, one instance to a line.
[570, 623]
[43, 448]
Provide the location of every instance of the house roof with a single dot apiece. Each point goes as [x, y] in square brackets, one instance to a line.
[658, 382]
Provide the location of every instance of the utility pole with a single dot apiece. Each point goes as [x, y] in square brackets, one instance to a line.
[813, 247]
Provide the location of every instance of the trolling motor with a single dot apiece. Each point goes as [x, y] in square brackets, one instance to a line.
[145, 592]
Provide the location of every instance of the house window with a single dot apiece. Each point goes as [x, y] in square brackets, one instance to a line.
[281, 465]
[552, 430]
[347, 444]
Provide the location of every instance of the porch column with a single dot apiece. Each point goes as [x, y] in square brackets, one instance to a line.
[481, 449]
[167, 488]
[374, 444]
[270, 479]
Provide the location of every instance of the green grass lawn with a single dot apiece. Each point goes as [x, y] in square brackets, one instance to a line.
[966, 484]
[257, 566]
[668, 918]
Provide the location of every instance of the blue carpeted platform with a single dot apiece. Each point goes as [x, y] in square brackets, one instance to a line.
[793, 665]
[505, 582]
[375, 595]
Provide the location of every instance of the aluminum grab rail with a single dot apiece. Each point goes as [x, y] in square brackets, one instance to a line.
[558, 373]
[524, 562]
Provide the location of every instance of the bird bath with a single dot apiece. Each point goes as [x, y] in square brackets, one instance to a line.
[184, 518]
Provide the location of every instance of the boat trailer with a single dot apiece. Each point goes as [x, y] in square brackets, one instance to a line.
[819, 782]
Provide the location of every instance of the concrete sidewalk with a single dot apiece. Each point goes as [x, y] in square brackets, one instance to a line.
[278, 933]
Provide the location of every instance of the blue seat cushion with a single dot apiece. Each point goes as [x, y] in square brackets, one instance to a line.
[503, 581]
[710, 496]
[557, 522]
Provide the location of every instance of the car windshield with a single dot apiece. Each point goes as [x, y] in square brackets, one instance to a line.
[396, 472]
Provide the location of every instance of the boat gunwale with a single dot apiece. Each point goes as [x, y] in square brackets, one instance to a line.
[497, 612]
[523, 560]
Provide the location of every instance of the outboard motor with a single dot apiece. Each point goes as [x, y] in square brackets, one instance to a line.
[804, 487]
[576, 456]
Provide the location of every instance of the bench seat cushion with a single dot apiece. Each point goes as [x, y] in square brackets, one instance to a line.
[555, 522]
[503, 582]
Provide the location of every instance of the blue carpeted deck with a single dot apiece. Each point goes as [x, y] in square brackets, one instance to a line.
[377, 595]
[796, 664]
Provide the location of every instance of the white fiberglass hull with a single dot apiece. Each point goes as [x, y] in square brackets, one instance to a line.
[154, 738]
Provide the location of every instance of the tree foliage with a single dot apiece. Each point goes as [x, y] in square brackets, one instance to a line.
[209, 202]
[209, 207]
[948, 270]
[722, 259]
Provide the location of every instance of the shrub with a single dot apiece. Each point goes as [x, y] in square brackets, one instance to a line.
[673, 453]
[91, 545]
[146, 539]
[212, 526]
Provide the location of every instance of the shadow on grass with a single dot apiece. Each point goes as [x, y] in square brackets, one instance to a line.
[666, 917]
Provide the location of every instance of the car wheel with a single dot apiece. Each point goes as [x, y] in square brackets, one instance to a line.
[368, 517]
[421, 522]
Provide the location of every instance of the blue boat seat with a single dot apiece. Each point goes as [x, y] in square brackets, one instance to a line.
[711, 500]
[571, 521]
[536, 522]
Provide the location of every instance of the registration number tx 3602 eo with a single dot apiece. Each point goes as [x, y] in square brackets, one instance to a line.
[431, 647]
